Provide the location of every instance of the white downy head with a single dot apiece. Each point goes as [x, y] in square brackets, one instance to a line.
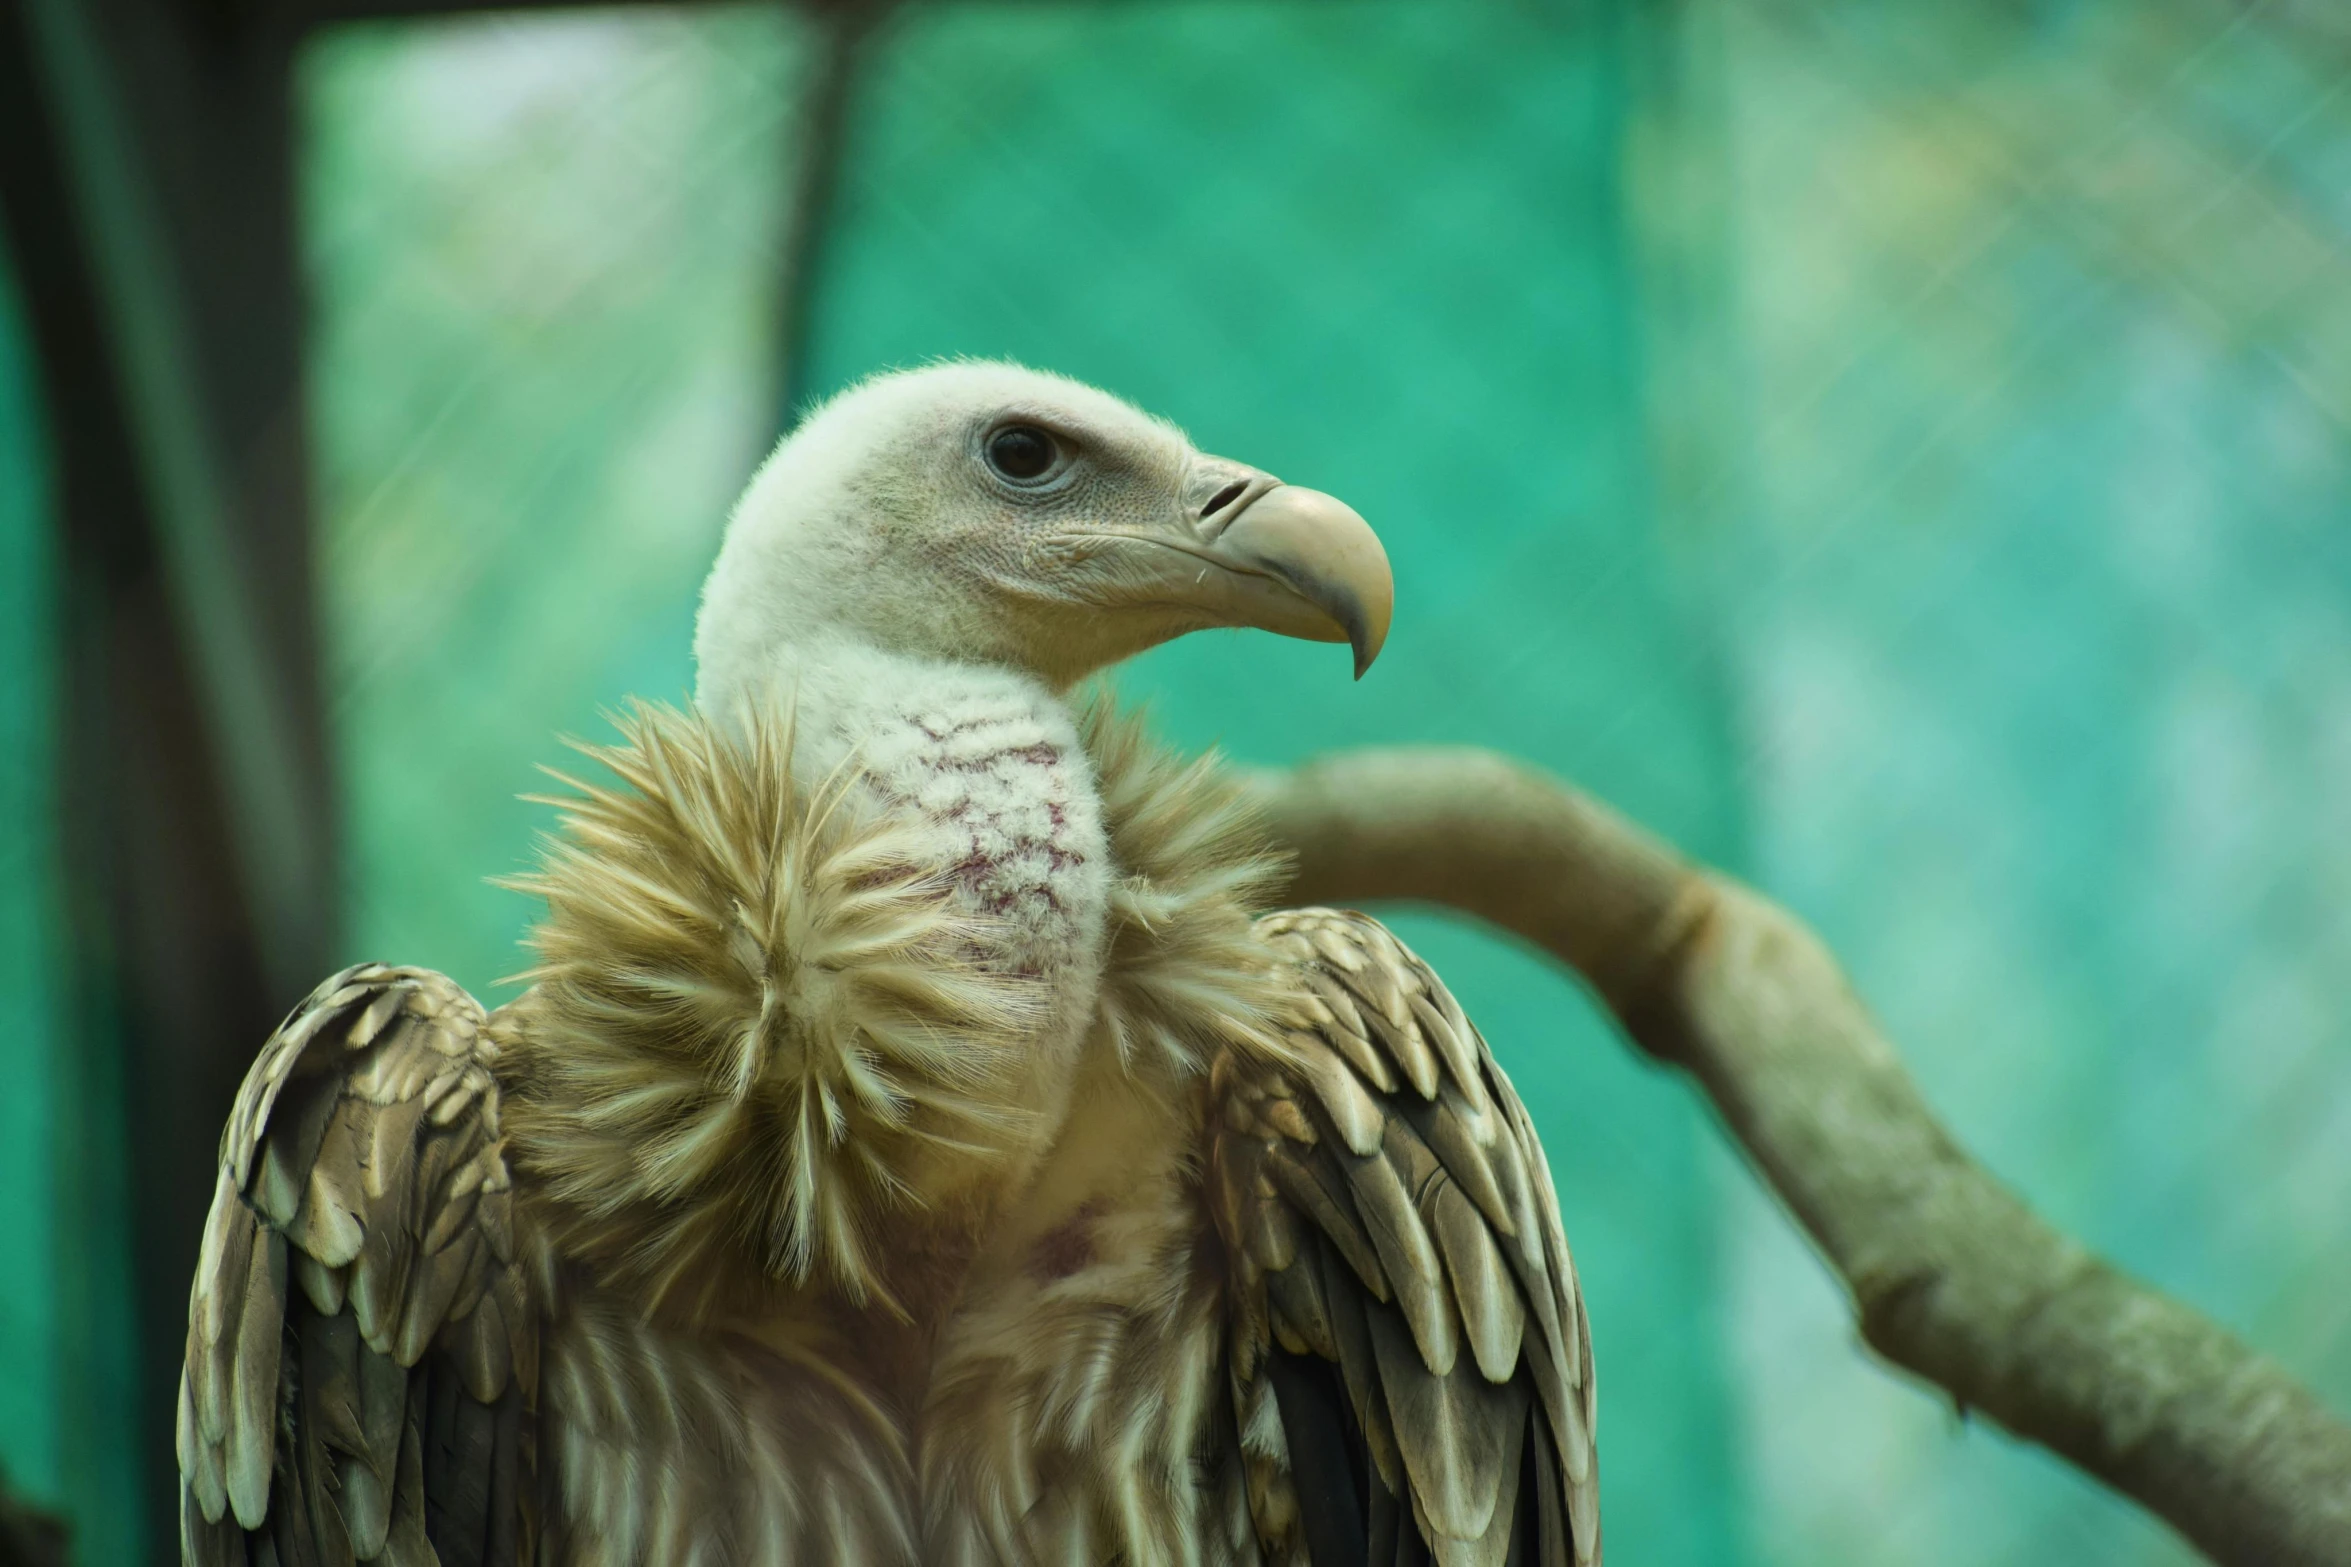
[983, 513]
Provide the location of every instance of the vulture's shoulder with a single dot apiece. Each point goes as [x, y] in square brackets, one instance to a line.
[362, 1343]
[1411, 1368]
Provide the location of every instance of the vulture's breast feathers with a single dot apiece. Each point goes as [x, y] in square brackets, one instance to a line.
[775, 1021]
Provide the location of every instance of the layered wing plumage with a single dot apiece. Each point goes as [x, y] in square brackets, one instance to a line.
[362, 1344]
[1410, 1363]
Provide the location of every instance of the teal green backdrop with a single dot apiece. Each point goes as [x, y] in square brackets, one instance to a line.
[1902, 454]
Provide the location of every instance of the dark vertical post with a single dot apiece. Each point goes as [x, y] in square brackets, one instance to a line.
[846, 28]
[146, 173]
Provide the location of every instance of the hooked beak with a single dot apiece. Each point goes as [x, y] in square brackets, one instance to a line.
[1292, 561]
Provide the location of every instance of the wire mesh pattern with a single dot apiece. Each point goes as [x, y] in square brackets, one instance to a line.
[1899, 453]
[2040, 643]
[2001, 656]
[542, 368]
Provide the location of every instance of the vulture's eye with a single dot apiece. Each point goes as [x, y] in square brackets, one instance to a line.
[1023, 453]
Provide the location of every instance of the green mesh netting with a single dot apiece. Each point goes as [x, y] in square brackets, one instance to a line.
[1899, 452]
[2041, 629]
[2004, 644]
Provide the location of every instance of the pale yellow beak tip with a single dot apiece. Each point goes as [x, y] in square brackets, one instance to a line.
[1324, 550]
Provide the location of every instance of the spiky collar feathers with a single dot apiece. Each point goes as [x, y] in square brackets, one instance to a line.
[759, 1029]
[1185, 975]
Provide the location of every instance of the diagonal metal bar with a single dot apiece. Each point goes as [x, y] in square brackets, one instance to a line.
[208, 361]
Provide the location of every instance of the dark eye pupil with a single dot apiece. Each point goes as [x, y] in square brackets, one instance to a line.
[1020, 451]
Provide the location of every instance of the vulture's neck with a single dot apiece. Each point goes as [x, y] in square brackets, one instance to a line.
[989, 758]
[988, 766]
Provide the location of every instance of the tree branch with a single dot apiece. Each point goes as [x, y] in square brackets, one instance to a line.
[1951, 1276]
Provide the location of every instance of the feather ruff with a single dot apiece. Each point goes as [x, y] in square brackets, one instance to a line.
[758, 1025]
[1187, 976]
[760, 1029]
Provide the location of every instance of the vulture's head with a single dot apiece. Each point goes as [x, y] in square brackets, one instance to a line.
[987, 513]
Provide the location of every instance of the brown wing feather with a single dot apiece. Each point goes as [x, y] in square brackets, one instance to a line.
[362, 1351]
[1388, 1215]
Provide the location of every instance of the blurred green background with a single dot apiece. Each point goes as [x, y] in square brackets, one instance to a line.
[1900, 452]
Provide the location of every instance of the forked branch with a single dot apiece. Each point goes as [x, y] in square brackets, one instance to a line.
[1951, 1276]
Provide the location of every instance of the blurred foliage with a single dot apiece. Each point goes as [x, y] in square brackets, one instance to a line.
[1896, 451]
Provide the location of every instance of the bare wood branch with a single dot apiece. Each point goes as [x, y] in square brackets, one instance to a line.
[1951, 1275]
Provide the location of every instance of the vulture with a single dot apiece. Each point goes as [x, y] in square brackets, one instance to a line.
[917, 1141]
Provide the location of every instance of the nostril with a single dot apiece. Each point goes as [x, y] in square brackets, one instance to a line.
[1223, 498]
